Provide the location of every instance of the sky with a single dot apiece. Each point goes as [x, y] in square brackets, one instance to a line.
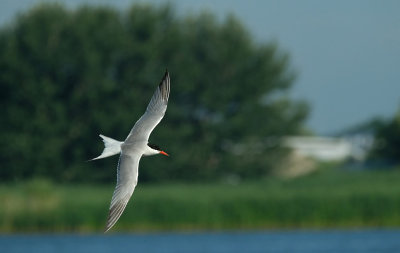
[346, 53]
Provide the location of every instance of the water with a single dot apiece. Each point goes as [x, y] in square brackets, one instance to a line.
[298, 241]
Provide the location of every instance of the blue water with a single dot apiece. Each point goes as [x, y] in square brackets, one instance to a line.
[297, 241]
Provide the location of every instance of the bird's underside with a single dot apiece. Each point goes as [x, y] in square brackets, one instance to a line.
[133, 148]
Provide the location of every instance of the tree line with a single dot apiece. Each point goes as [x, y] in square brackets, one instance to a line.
[69, 75]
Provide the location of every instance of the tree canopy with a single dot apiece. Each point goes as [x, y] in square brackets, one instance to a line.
[68, 75]
[386, 149]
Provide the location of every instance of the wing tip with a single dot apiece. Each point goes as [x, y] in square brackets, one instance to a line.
[108, 227]
[165, 77]
[164, 85]
[115, 213]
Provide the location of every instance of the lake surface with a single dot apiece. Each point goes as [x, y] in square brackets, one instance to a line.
[291, 241]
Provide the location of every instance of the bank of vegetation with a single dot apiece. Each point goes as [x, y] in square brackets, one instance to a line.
[325, 199]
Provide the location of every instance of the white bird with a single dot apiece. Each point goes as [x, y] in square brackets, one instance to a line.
[133, 148]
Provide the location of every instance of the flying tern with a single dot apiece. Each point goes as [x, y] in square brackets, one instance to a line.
[133, 148]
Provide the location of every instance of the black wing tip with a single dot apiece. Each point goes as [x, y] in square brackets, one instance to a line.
[164, 86]
[166, 76]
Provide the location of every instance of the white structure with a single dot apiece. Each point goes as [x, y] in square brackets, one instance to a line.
[330, 148]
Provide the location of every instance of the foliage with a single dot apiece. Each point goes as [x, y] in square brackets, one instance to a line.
[328, 198]
[67, 76]
[387, 144]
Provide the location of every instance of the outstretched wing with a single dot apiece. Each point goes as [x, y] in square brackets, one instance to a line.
[154, 113]
[127, 177]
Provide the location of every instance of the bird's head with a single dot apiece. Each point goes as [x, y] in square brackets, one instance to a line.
[156, 149]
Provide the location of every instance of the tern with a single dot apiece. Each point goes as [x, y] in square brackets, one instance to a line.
[133, 148]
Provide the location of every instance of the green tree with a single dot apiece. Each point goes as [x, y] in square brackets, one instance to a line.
[387, 140]
[67, 76]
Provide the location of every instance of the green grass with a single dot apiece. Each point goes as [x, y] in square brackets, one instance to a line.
[328, 198]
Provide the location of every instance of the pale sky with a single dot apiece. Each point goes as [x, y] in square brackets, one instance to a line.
[346, 53]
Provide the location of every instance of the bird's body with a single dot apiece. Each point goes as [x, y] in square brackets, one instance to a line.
[133, 148]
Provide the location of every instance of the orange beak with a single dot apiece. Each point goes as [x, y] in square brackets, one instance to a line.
[163, 153]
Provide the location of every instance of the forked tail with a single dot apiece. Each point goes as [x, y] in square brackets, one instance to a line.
[111, 147]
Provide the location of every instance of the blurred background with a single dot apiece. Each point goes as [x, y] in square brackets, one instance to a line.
[282, 115]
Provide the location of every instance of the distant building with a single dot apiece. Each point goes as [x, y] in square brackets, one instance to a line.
[307, 151]
[330, 148]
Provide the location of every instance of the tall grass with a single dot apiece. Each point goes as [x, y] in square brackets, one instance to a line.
[329, 198]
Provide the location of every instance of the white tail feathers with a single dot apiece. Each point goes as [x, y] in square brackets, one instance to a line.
[111, 147]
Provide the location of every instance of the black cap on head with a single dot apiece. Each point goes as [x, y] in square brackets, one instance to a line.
[153, 146]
